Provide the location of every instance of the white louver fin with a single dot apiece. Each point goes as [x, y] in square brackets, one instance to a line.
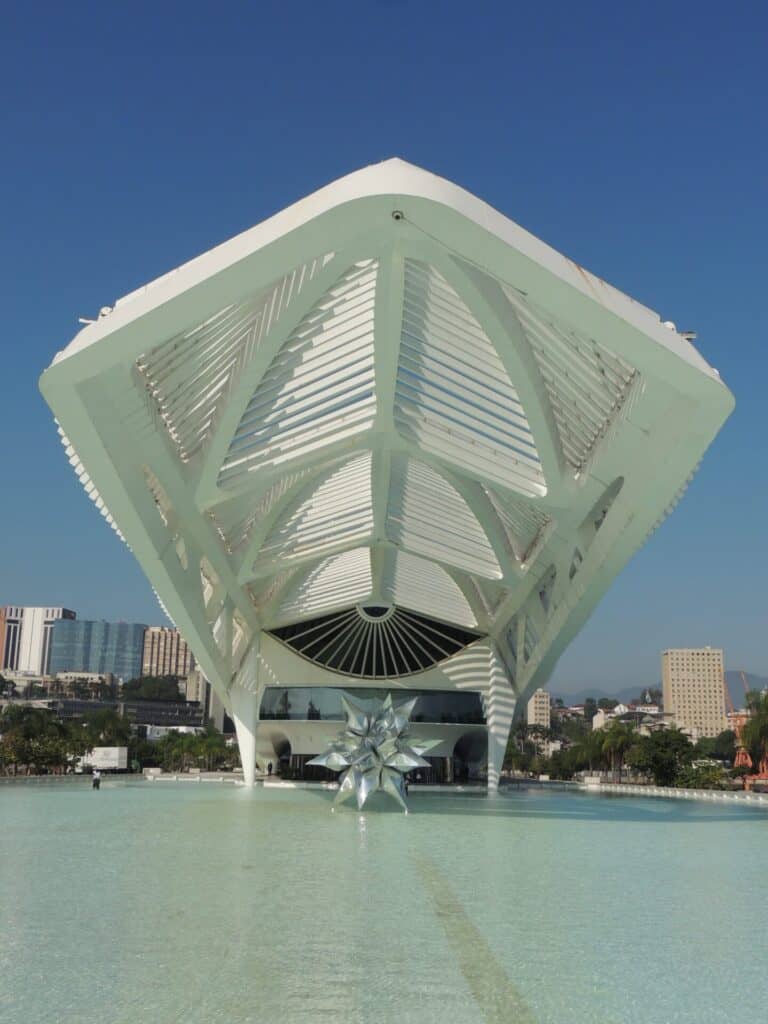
[339, 510]
[426, 587]
[523, 522]
[261, 596]
[235, 520]
[429, 517]
[453, 395]
[320, 387]
[587, 385]
[336, 582]
[190, 375]
[85, 480]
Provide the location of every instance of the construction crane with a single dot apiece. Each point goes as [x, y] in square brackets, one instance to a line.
[738, 720]
[746, 684]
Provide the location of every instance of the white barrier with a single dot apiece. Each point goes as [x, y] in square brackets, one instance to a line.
[627, 789]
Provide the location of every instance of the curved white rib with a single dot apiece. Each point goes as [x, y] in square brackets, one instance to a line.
[282, 435]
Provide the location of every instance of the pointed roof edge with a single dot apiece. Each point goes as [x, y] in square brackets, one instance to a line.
[392, 177]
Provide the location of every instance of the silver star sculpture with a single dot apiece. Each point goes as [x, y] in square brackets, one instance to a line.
[374, 751]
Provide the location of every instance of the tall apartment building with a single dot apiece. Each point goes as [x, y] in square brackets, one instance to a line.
[102, 647]
[538, 709]
[165, 653]
[694, 689]
[27, 637]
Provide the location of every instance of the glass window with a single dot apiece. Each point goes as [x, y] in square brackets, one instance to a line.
[307, 703]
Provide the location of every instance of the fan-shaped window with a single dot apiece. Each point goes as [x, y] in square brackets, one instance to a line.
[375, 642]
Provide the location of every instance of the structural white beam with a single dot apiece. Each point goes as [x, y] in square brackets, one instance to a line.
[388, 393]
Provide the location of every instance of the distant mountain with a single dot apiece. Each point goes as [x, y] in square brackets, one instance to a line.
[628, 693]
[736, 685]
[579, 696]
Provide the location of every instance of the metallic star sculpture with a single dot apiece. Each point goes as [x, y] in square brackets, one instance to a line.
[374, 752]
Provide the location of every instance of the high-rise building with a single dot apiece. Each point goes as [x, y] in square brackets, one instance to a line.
[27, 635]
[103, 647]
[166, 653]
[2, 637]
[694, 689]
[538, 709]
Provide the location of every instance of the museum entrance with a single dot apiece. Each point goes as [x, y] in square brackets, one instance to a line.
[470, 754]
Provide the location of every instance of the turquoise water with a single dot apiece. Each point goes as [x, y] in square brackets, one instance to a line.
[205, 903]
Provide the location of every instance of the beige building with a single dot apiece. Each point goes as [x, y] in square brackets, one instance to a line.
[165, 653]
[199, 689]
[694, 690]
[538, 709]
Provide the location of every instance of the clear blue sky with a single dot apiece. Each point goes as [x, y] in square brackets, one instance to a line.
[635, 141]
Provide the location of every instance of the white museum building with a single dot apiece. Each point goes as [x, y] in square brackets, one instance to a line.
[384, 441]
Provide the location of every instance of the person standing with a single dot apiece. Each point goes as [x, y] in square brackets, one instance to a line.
[96, 782]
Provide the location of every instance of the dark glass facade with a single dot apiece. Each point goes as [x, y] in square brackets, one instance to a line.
[87, 646]
[323, 703]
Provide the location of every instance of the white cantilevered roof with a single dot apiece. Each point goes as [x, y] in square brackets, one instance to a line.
[388, 395]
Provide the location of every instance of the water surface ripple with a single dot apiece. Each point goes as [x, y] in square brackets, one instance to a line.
[206, 903]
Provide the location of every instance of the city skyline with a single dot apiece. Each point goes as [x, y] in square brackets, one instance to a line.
[684, 234]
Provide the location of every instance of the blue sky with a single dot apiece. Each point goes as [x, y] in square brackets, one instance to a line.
[135, 136]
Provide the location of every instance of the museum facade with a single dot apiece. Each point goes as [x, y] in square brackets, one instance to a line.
[384, 441]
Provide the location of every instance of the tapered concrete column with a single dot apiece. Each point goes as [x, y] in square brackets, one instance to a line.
[245, 697]
[500, 704]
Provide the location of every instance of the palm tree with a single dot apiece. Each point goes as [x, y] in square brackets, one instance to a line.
[619, 737]
[593, 749]
[754, 735]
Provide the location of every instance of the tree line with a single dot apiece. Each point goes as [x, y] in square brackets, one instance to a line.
[667, 756]
[34, 741]
[165, 688]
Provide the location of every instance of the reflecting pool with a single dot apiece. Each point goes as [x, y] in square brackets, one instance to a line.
[207, 903]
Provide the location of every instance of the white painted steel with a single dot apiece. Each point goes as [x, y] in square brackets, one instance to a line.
[386, 394]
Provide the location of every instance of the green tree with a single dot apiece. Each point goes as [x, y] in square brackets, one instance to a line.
[7, 687]
[753, 700]
[574, 729]
[32, 738]
[703, 776]
[662, 755]
[721, 747]
[105, 728]
[619, 737]
[152, 688]
[590, 752]
[519, 756]
[590, 708]
[754, 735]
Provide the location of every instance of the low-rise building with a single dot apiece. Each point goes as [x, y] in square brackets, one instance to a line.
[605, 715]
[159, 732]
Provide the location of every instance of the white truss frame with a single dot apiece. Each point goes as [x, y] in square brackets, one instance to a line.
[388, 393]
